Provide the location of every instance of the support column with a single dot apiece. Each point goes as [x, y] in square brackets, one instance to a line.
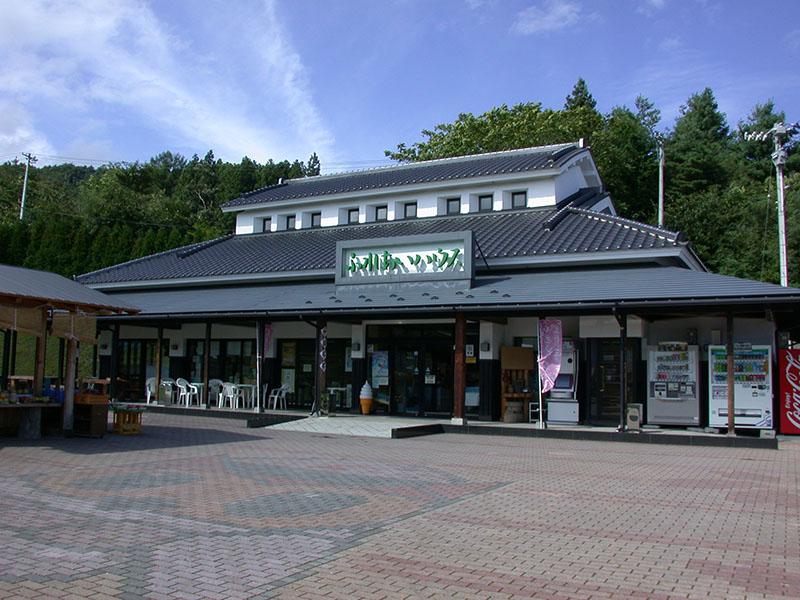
[257, 400]
[460, 371]
[61, 350]
[41, 355]
[159, 349]
[206, 360]
[112, 387]
[731, 374]
[622, 319]
[6, 359]
[69, 384]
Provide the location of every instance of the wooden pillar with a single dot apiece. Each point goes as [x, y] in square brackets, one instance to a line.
[12, 369]
[206, 362]
[61, 349]
[41, 355]
[114, 370]
[460, 370]
[69, 384]
[159, 349]
[731, 375]
[6, 359]
[623, 370]
[259, 366]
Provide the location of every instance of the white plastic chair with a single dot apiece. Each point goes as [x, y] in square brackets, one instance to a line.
[278, 397]
[230, 394]
[150, 389]
[187, 392]
[215, 392]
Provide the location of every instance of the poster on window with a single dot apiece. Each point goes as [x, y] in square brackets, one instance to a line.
[380, 368]
[287, 378]
[288, 352]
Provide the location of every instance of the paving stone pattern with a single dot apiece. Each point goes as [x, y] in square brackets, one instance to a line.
[205, 508]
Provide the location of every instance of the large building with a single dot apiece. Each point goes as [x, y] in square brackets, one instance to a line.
[428, 280]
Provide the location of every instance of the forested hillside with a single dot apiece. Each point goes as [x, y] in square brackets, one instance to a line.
[82, 218]
[720, 188]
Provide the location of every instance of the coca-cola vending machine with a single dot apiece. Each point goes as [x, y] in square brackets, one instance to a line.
[789, 399]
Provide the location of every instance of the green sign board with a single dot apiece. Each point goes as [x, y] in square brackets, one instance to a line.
[421, 257]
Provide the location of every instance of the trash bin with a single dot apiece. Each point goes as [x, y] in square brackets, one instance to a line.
[633, 417]
[90, 417]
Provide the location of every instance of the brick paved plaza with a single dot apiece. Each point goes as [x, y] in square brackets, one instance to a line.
[205, 508]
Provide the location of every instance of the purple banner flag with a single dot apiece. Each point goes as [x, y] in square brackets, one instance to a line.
[549, 352]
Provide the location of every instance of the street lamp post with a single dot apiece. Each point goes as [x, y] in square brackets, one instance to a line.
[778, 132]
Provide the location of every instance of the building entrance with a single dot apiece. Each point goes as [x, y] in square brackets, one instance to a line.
[411, 374]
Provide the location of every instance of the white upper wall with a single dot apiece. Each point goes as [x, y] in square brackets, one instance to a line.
[541, 189]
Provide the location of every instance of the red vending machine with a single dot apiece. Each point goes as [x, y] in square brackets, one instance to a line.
[789, 385]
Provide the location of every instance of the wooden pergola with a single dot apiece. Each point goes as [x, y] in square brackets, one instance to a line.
[38, 302]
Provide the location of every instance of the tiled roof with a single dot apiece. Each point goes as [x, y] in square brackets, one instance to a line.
[525, 233]
[27, 287]
[544, 289]
[446, 169]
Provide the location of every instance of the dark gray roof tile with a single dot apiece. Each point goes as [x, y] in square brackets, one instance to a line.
[446, 169]
[507, 234]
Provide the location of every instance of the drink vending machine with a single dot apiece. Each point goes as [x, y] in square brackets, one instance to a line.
[752, 386]
[673, 384]
[562, 401]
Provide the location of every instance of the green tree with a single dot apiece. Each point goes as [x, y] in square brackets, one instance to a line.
[698, 151]
[625, 153]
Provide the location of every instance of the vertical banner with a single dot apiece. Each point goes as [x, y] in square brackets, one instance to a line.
[549, 353]
[789, 386]
[268, 327]
[323, 352]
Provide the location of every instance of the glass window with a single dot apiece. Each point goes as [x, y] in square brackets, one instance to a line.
[290, 221]
[381, 213]
[453, 206]
[352, 215]
[485, 202]
[266, 224]
[316, 219]
[410, 210]
[519, 199]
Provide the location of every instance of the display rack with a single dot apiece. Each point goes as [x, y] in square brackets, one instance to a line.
[518, 383]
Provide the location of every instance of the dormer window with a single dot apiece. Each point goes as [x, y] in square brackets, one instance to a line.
[453, 206]
[519, 199]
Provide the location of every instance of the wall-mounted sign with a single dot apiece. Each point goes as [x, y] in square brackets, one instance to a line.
[447, 256]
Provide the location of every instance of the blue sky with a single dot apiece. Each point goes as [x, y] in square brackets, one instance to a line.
[91, 81]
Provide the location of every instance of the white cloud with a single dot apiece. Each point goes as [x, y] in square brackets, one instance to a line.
[120, 63]
[550, 15]
[18, 134]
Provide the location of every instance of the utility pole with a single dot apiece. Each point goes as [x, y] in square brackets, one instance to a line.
[661, 160]
[778, 132]
[30, 158]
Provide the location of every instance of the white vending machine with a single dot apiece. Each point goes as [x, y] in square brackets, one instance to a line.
[752, 386]
[562, 401]
[673, 384]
